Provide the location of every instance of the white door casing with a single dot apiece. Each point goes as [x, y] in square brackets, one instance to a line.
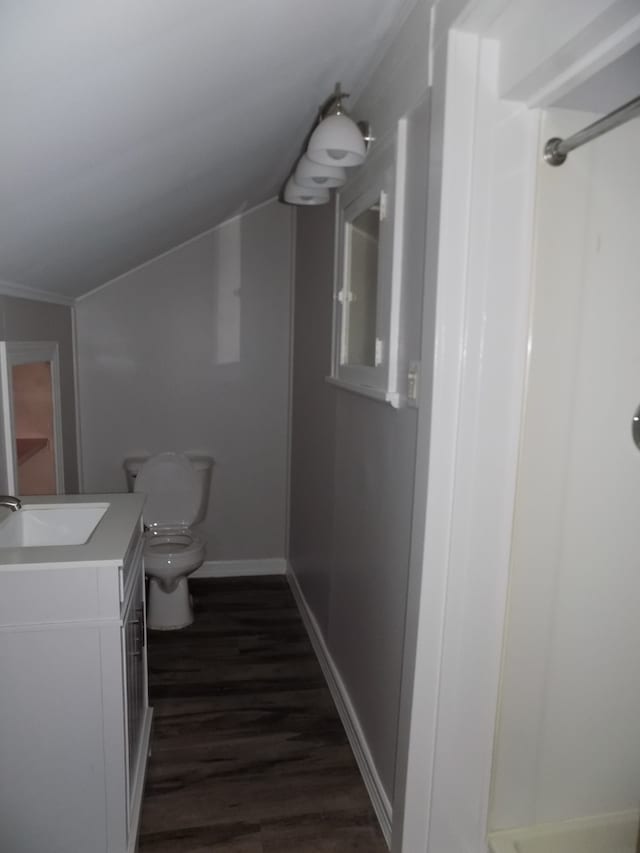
[485, 152]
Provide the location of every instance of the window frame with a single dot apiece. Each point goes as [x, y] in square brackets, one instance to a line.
[382, 178]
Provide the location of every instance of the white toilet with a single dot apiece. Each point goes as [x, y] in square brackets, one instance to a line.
[177, 490]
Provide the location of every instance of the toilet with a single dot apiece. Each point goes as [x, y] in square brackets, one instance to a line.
[177, 489]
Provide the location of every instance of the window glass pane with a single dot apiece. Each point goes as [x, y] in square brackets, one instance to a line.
[361, 287]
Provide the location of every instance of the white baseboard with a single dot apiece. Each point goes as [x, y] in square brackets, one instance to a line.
[361, 751]
[241, 568]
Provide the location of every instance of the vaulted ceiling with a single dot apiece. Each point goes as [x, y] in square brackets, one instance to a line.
[129, 126]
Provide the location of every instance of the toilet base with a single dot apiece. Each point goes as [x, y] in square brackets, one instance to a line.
[169, 611]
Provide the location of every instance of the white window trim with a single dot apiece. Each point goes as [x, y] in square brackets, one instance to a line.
[392, 397]
[385, 173]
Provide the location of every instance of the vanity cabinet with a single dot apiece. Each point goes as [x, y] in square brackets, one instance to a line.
[74, 714]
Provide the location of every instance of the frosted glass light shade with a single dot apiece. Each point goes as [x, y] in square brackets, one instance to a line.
[295, 194]
[337, 141]
[315, 175]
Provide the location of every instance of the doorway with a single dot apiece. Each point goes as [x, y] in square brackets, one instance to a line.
[30, 380]
[567, 743]
[33, 421]
[489, 143]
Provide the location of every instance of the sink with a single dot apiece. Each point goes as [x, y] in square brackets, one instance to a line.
[51, 524]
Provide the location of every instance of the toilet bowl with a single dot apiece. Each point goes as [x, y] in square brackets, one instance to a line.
[176, 492]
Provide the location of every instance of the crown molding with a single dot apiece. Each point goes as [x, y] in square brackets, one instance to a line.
[177, 247]
[22, 291]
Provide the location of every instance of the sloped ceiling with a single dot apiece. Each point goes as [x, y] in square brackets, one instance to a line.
[129, 126]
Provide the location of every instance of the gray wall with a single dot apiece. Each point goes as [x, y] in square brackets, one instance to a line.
[191, 352]
[28, 320]
[353, 458]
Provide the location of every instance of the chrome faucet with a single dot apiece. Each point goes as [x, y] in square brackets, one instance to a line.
[9, 501]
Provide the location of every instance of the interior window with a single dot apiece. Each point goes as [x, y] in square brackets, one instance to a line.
[361, 287]
[368, 274]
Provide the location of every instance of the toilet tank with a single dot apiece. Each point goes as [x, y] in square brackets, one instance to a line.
[203, 466]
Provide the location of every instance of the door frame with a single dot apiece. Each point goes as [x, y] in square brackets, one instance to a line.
[485, 150]
[29, 352]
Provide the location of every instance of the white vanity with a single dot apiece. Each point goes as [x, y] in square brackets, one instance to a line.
[74, 713]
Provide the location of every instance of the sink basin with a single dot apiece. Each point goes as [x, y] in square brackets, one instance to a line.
[51, 524]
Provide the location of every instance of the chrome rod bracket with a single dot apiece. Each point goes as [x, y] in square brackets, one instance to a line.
[556, 150]
[552, 155]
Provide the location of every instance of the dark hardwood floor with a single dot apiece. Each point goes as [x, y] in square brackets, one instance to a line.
[248, 752]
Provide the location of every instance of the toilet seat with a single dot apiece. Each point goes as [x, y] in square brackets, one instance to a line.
[172, 548]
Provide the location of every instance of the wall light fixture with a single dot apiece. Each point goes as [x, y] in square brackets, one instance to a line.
[295, 194]
[338, 140]
[337, 143]
[310, 174]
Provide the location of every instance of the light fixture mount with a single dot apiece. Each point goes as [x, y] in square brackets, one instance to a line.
[334, 106]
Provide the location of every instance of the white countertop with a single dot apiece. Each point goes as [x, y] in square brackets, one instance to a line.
[106, 545]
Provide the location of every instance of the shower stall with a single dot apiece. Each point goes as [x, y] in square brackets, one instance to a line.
[566, 771]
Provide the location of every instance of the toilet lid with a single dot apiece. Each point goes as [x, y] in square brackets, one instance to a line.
[171, 486]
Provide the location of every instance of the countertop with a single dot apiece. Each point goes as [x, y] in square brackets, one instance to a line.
[106, 546]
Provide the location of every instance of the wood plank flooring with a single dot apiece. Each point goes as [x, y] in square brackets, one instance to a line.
[248, 752]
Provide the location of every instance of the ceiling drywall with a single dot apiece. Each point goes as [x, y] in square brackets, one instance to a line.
[130, 126]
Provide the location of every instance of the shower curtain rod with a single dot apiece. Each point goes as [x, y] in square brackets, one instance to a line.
[556, 149]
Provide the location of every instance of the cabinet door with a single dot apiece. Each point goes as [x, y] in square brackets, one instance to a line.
[135, 678]
[52, 789]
